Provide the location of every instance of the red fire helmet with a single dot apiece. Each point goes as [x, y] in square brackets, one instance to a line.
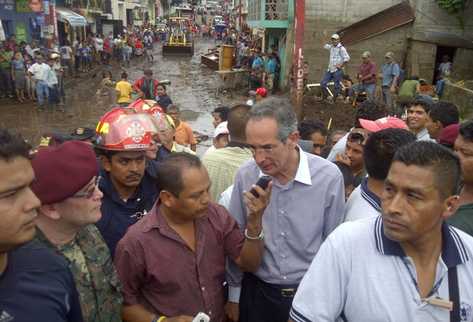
[146, 106]
[123, 129]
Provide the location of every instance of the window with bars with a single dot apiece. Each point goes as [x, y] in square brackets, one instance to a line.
[275, 10]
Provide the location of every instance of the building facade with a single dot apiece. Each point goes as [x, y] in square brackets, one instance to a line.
[417, 31]
[272, 22]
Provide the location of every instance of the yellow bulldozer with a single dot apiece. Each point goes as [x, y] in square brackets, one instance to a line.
[180, 38]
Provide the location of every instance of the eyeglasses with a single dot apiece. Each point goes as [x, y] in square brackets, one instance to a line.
[89, 192]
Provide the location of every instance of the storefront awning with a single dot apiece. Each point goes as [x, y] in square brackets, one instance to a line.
[74, 19]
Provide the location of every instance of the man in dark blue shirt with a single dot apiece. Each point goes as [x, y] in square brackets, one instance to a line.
[35, 284]
[129, 192]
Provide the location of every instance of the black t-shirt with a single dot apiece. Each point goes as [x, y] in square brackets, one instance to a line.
[38, 286]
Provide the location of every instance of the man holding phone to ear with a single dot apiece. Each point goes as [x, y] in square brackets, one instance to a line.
[306, 204]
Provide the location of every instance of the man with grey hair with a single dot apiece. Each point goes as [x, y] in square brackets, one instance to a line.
[306, 204]
[366, 76]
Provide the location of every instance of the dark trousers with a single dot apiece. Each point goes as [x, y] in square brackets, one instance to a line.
[263, 302]
[6, 85]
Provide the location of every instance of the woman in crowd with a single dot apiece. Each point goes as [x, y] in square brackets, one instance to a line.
[19, 76]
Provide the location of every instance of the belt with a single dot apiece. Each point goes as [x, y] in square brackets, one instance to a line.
[288, 291]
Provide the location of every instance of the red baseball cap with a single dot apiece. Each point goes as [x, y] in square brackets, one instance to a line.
[383, 123]
[261, 91]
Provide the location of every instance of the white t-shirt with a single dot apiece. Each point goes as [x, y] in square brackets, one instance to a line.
[360, 273]
[40, 71]
[362, 203]
[339, 147]
[66, 52]
[99, 44]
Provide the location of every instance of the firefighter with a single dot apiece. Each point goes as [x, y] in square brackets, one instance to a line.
[129, 192]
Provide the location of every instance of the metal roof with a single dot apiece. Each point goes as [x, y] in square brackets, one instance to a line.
[390, 18]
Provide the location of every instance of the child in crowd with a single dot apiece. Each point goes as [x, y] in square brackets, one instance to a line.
[162, 98]
[184, 134]
[86, 55]
[105, 84]
[124, 90]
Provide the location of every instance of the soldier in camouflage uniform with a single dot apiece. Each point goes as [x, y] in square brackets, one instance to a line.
[66, 184]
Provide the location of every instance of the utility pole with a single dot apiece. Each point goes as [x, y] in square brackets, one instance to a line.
[239, 17]
[298, 57]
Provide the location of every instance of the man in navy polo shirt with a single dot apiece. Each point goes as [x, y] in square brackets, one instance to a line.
[406, 265]
[35, 284]
[128, 191]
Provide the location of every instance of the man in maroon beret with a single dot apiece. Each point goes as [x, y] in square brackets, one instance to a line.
[66, 184]
[35, 283]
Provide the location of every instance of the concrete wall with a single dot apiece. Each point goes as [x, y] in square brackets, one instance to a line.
[421, 59]
[430, 17]
[462, 97]
[462, 65]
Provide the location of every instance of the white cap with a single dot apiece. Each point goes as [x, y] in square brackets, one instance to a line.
[335, 36]
[221, 129]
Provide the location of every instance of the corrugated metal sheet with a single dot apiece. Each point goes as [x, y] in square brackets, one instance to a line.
[378, 23]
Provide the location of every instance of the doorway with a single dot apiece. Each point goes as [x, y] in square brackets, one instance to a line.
[441, 52]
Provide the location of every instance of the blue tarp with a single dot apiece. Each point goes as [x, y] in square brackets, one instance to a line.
[74, 19]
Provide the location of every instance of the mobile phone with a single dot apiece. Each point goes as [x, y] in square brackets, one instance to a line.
[263, 183]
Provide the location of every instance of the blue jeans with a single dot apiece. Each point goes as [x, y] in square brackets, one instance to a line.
[53, 95]
[439, 87]
[42, 92]
[329, 76]
[368, 88]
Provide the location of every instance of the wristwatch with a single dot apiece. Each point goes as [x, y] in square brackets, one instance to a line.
[259, 237]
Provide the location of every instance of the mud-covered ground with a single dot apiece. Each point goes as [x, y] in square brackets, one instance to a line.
[193, 88]
[341, 114]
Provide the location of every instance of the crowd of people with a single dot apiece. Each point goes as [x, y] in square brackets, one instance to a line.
[126, 222]
[44, 83]
[279, 220]
[396, 88]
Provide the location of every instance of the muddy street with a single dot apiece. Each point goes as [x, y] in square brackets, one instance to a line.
[193, 89]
